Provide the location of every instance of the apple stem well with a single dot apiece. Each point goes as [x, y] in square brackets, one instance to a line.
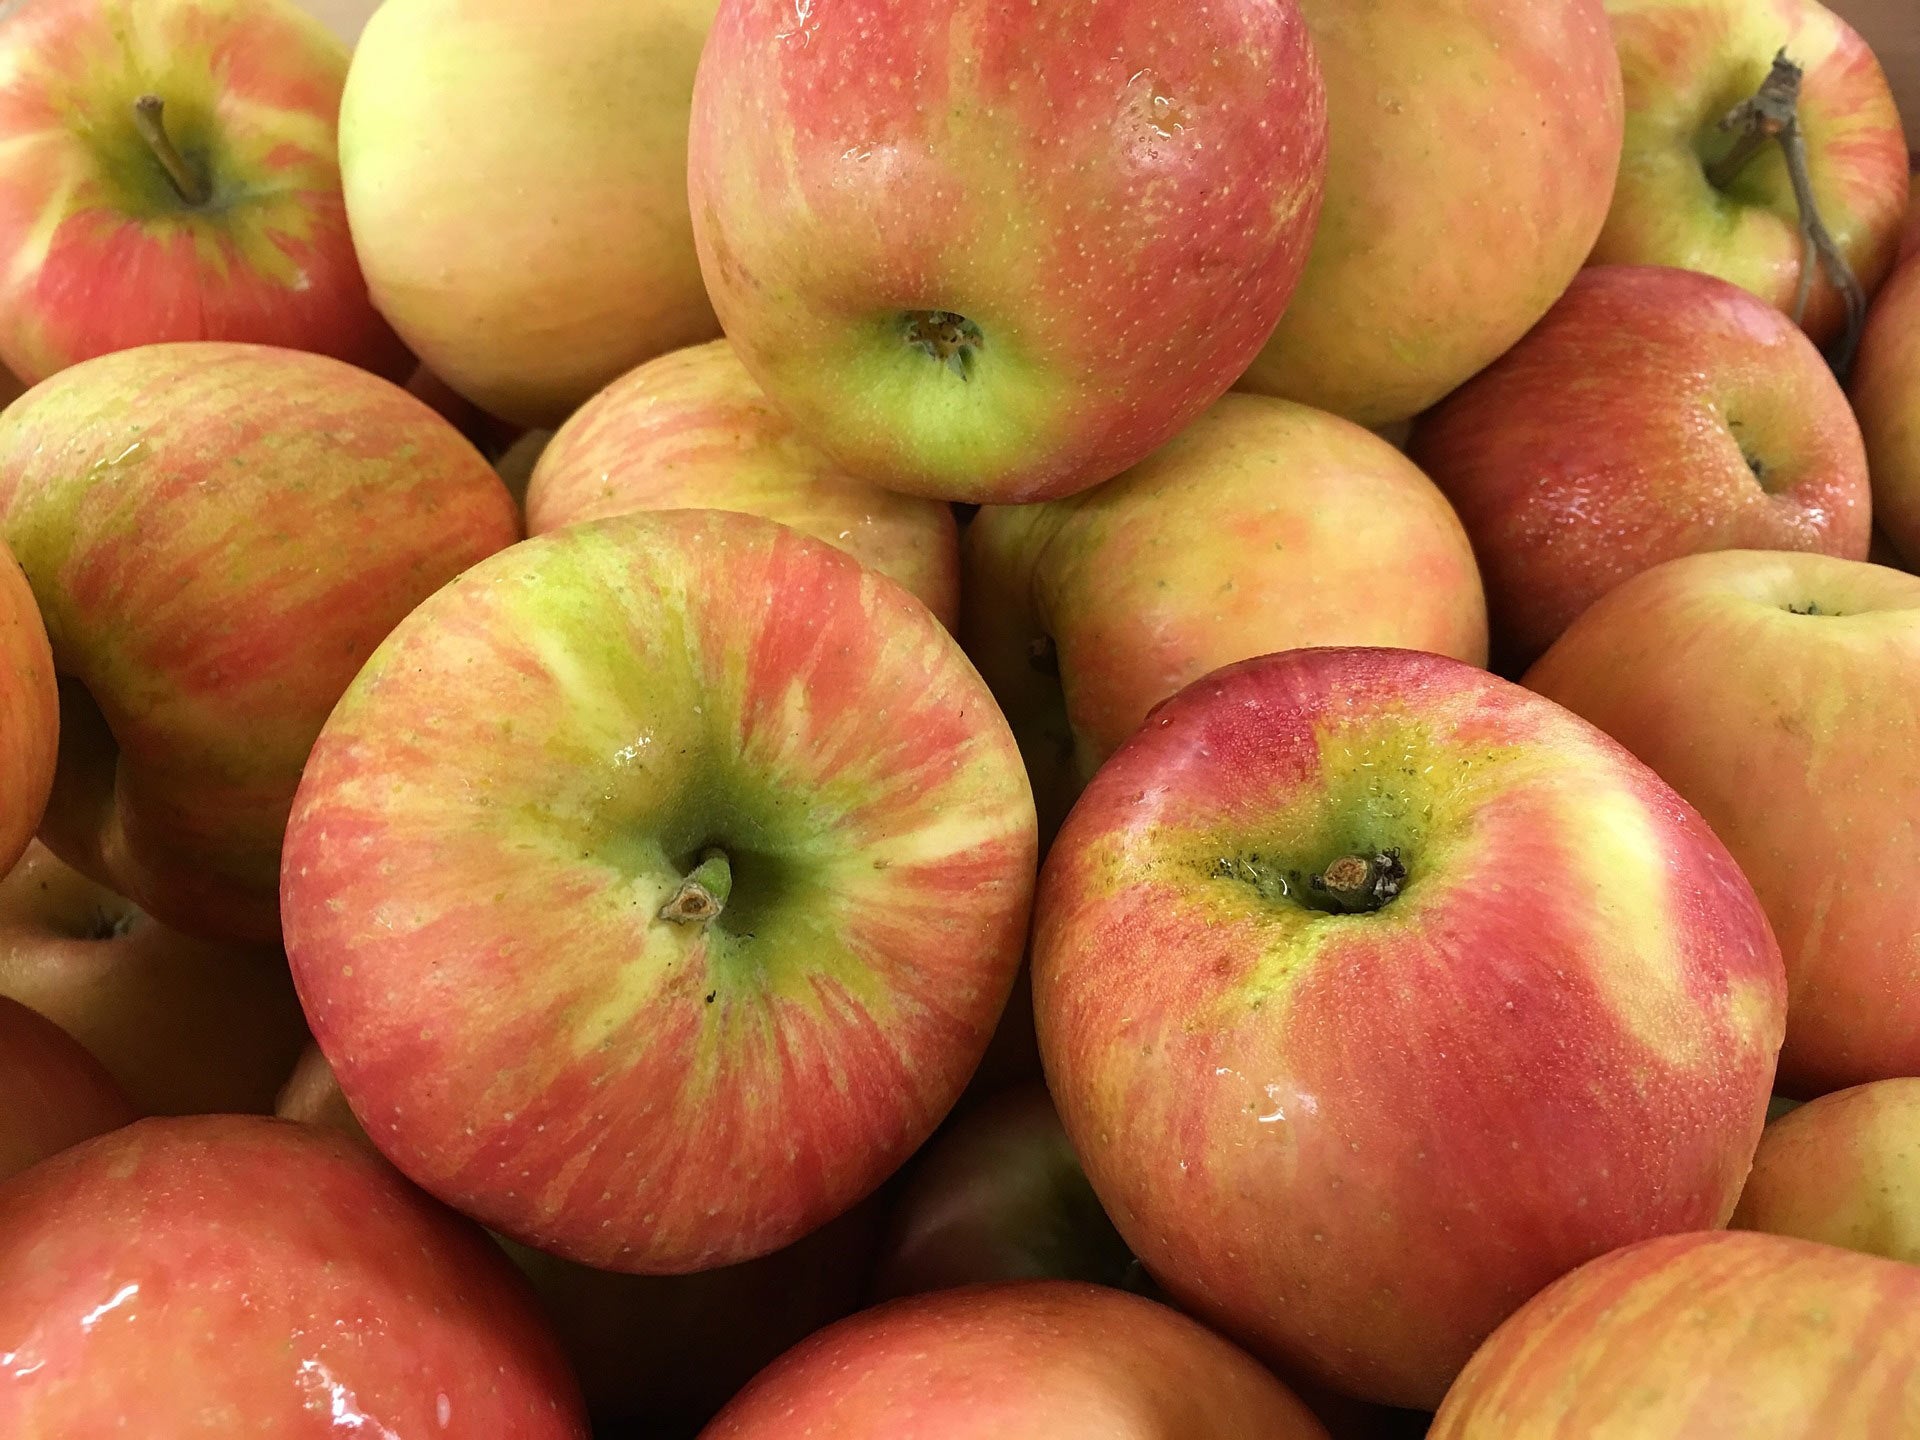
[1772, 114]
[952, 340]
[1354, 884]
[150, 120]
[703, 894]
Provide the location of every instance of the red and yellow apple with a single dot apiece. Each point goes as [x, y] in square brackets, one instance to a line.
[170, 173]
[1377, 992]
[516, 176]
[1776, 693]
[655, 888]
[1653, 413]
[692, 430]
[1687, 64]
[29, 713]
[1885, 388]
[218, 536]
[1703, 1336]
[1263, 526]
[53, 1094]
[992, 252]
[238, 1275]
[1053, 1358]
[1471, 151]
[1844, 1170]
[185, 1026]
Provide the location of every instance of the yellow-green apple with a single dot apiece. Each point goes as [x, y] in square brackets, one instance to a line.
[1263, 526]
[170, 173]
[53, 1094]
[1708, 1336]
[1844, 1170]
[691, 430]
[239, 1275]
[655, 888]
[1376, 992]
[1885, 388]
[1471, 150]
[516, 176]
[185, 1026]
[993, 252]
[1048, 1357]
[29, 713]
[1653, 413]
[1775, 692]
[218, 535]
[1687, 64]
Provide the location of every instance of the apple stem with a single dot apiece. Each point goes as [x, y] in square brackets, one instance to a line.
[703, 894]
[149, 120]
[1361, 883]
[1772, 113]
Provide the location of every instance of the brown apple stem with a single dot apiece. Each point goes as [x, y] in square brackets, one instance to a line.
[149, 120]
[703, 894]
[1361, 883]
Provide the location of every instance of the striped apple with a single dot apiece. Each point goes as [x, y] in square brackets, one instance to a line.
[1376, 993]
[656, 887]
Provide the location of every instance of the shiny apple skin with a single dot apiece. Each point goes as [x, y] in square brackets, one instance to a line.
[53, 1094]
[1797, 737]
[1885, 387]
[519, 781]
[1358, 1142]
[1686, 64]
[1709, 1336]
[1053, 1358]
[102, 252]
[1625, 430]
[692, 430]
[29, 713]
[238, 1275]
[218, 536]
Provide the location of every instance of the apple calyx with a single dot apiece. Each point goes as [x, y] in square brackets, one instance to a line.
[1361, 884]
[703, 894]
[1772, 115]
[952, 340]
[149, 119]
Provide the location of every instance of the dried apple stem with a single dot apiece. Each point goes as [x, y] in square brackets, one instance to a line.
[703, 894]
[150, 121]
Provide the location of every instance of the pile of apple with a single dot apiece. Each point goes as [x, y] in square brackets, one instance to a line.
[954, 719]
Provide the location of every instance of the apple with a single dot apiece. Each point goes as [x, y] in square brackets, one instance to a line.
[655, 888]
[53, 1094]
[1054, 1358]
[175, 179]
[991, 252]
[29, 713]
[517, 177]
[345, 17]
[1377, 992]
[692, 430]
[218, 535]
[184, 1026]
[1654, 413]
[1263, 526]
[1885, 386]
[1472, 146]
[247, 1276]
[1843, 1169]
[1703, 1335]
[1776, 693]
[1687, 64]
[1910, 237]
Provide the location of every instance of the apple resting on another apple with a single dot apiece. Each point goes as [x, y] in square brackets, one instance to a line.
[1885, 386]
[1685, 198]
[1263, 526]
[1777, 694]
[1653, 413]
[693, 430]
[1377, 992]
[992, 252]
[655, 888]
[185, 1026]
[29, 713]
[1471, 151]
[517, 182]
[170, 174]
[1703, 1335]
[1053, 1358]
[218, 536]
[53, 1094]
